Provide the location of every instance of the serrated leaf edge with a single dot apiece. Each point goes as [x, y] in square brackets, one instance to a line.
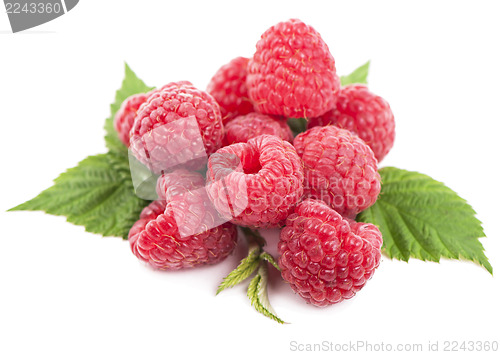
[257, 293]
[246, 267]
[369, 216]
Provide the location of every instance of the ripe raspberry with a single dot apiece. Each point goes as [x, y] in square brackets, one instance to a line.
[178, 182]
[173, 85]
[325, 258]
[256, 183]
[292, 73]
[254, 124]
[124, 118]
[228, 87]
[178, 125]
[183, 230]
[339, 169]
[364, 113]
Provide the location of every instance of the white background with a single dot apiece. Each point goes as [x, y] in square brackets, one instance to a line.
[65, 291]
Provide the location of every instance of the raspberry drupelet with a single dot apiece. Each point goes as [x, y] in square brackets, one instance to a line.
[339, 168]
[181, 229]
[255, 184]
[254, 124]
[228, 86]
[178, 126]
[324, 257]
[365, 114]
[292, 72]
[126, 115]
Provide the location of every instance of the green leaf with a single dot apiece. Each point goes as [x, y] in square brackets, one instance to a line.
[422, 218]
[131, 85]
[246, 267]
[257, 292]
[297, 125]
[256, 259]
[97, 194]
[358, 76]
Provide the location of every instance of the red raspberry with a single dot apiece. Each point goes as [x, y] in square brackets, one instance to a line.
[178, 125]
[292, 73]
[228, 87]
[339, 169]
[325, 258]
[173, 85]
[256, 183]
[242, 128]
[179, 182]
[124, 118]
[184, 230]
[364, 113]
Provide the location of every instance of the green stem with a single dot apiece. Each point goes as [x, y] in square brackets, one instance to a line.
[253, 236]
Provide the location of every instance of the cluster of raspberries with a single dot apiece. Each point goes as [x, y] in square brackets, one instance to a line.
[226, 157]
